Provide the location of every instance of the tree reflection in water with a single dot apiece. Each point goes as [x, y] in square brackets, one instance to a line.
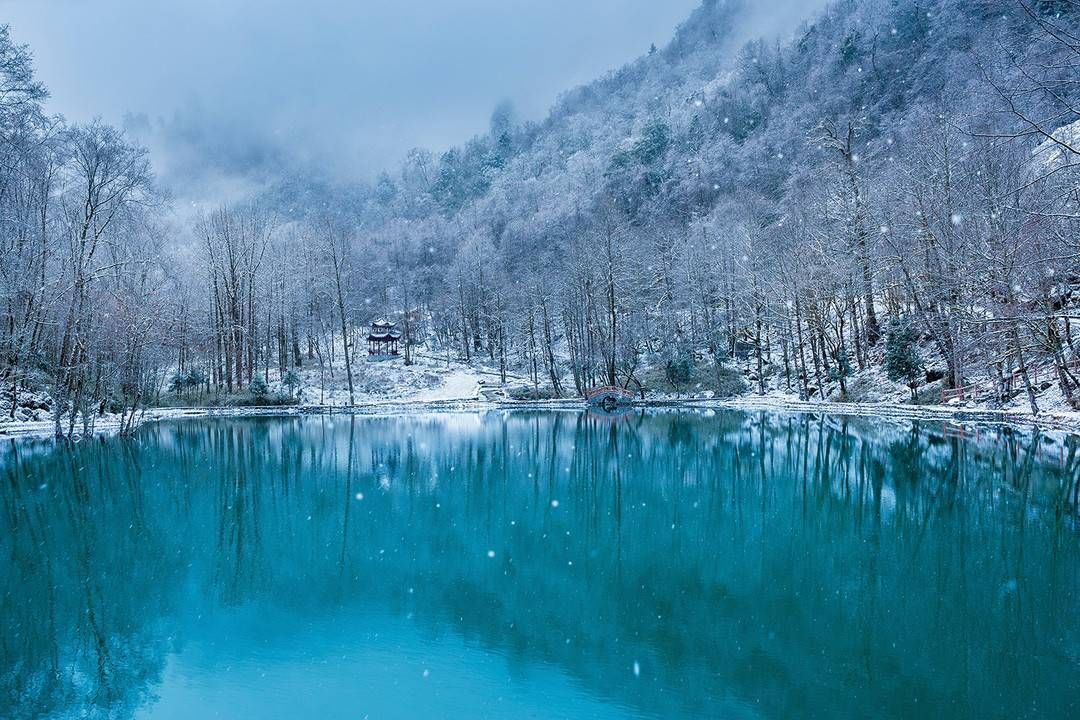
[795, 564]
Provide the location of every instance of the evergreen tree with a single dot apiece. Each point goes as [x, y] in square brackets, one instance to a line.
[258, 386]
[903, 363]
[291, 380]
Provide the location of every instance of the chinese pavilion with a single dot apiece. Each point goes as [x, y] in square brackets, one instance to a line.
[383, 340]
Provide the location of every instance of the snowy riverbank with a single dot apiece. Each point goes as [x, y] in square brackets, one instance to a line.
[469, 401]
[434, 384]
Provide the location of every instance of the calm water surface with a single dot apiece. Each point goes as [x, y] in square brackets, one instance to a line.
[541, 565]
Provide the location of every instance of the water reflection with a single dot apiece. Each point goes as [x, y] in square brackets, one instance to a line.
[666, 565]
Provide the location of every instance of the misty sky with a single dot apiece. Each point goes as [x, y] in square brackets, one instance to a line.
[350, 84]
[234, 88]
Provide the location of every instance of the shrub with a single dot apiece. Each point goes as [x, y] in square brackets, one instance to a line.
[679, 371]
[264, 400]
[929, 394]
[527, 392]
[729, 381]
[258, 387]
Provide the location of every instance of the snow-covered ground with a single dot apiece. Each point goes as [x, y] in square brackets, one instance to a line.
[426, 380]
[392, 386]
[384, 384]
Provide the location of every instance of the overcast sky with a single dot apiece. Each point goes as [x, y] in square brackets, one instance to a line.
[234, 86]
[348, 83]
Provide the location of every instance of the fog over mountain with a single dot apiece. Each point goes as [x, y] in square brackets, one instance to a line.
[229, 93]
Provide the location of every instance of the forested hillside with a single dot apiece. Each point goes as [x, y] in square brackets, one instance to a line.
[893, 189]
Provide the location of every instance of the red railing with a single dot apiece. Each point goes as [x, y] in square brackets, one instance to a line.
[961, 393]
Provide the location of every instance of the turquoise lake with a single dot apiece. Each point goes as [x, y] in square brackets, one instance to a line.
[709, 564]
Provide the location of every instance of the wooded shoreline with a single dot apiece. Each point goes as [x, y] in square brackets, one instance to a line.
[885, 411]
